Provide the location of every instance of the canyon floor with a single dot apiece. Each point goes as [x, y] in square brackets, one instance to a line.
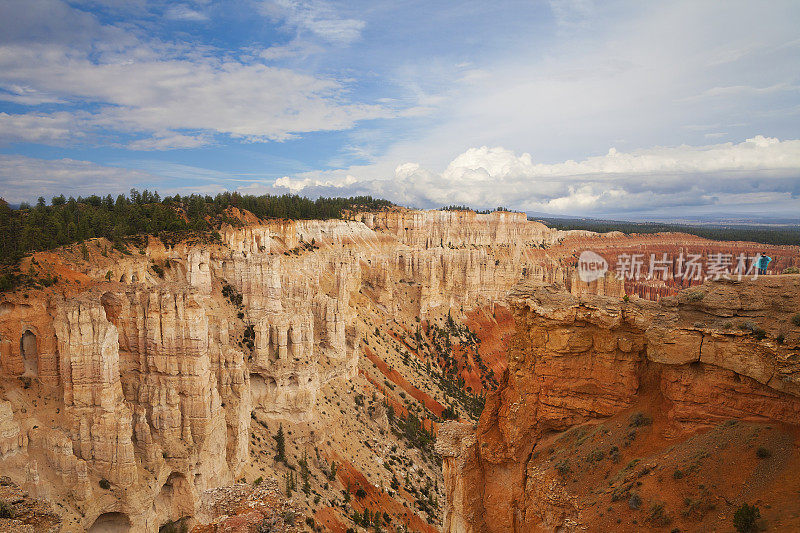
[148, 388]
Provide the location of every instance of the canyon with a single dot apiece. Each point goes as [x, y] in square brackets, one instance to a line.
[150, 386]
[628, 404]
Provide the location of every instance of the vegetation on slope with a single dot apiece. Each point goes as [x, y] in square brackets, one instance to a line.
[70, 220]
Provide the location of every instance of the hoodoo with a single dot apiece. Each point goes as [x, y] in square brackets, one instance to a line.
[310, 364]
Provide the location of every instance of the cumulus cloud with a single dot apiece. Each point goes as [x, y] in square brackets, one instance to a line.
[626, 80]
[759, 173]
[160, 90]
[251, 101]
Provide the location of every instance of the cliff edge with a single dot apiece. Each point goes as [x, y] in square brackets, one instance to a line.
[637, 414]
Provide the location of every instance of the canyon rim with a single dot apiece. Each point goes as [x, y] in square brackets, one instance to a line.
[145, 388]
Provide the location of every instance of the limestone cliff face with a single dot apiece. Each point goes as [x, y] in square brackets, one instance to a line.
[150, 370]
[432, 229]
[143, 370]
[709, 354]
[88, 345]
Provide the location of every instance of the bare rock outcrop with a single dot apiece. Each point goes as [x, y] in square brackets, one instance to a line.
[127, 389]
[432, 229]
[725, 350]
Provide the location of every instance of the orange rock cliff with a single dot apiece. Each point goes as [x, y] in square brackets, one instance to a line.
[588, 375]
[142, 383]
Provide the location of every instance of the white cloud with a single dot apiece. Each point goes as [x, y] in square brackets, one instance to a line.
[185, 13]
[738, 90]
[169, 142]
[572, 14]
[164, 90]
[25, 95]
[251, 101]
[315, 16]
[630, 79]
[762, 172]
[54, 128]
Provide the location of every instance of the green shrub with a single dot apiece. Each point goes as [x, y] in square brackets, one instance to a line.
[695, 296]
[640, 419]
[6, 511]
[791, 270]
[595, 456]
[796, 319]
[621, 492]
[635, 501]
[763, 453]
[280, 445]
[658, 517]
[613, 454]
[780, 338]
[562, 467]
[104, 484]
[677, 474]
[746, 518]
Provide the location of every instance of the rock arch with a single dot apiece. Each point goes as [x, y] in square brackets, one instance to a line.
[114, 522]
[29, 350]
[262, 389]
[175, 500]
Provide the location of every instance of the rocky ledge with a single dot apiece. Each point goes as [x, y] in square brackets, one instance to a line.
[721, 353]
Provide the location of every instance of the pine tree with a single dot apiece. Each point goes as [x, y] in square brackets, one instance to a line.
[280, 444]
[304, 473]
[289, 485]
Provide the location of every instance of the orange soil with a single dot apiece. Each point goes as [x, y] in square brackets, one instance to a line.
[328, 519]
[699, 479]
[377, 499]
[430, 404]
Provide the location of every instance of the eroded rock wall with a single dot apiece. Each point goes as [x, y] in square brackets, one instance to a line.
[709, 355]
[144, 369]
[432, 229]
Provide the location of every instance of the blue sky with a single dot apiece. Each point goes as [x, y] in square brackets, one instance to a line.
[574, 107]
